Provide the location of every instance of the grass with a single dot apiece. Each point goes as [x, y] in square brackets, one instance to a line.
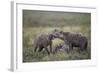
[31, 32]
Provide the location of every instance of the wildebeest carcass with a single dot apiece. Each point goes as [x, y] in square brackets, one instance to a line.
[44, 40]
[74, 39]
[61, 47]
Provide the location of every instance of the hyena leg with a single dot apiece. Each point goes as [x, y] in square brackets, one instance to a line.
[51, 47]
[70, 47]
[47, 50]
[40, 49]
[81, 48]
[85, 46]
[35, 49]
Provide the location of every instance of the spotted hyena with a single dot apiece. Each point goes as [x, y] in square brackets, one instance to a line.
[43, 40]
[73, 39]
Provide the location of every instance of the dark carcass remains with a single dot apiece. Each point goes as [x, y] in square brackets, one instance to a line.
[61, 47]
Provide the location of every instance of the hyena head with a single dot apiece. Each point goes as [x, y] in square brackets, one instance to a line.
[57, 34]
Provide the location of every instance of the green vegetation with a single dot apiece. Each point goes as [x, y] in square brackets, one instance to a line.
[36, 22]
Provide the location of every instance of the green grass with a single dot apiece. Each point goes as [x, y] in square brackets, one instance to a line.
[30, 33]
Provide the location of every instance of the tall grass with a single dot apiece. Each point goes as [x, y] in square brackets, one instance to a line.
[30, 33]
